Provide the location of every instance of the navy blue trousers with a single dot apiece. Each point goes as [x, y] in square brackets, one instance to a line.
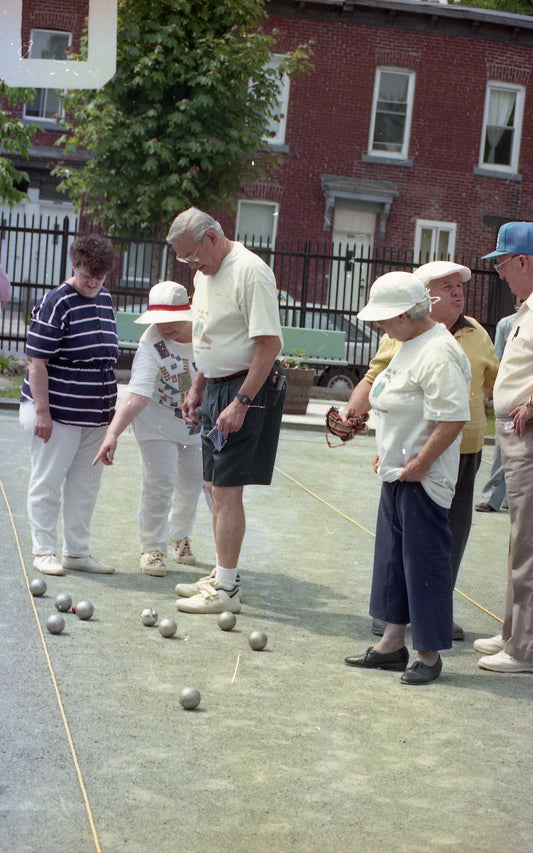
[412, 577]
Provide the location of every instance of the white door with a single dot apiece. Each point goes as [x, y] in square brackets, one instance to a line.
[353, 238]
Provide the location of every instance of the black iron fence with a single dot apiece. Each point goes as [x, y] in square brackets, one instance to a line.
[321, 285]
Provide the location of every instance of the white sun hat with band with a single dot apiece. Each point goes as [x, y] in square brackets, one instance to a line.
[168, 302]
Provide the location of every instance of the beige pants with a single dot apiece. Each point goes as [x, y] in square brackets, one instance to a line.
[517, 457]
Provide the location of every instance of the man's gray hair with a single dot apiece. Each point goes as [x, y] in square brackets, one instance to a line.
[195, 223]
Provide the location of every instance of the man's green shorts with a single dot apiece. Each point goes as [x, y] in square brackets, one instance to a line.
[248, 456]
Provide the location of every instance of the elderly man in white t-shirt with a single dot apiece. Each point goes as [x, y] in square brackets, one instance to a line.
[239, 383]
[512, 650]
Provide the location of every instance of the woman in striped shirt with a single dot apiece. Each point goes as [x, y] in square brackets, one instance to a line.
[67, 401]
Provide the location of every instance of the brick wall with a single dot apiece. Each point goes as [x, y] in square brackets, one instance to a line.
[329, 120]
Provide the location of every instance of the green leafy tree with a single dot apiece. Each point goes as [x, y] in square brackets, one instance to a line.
[517, 7]
[16, 138]
[184, 117]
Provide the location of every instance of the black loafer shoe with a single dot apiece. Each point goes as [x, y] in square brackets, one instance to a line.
[457, 632]
[420, 673]
[397, 660]
[378, 627]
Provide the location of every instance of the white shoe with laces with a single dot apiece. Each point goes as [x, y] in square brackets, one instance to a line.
[87, 564]
[48, 564]
[153, 563]
[502, 662]
[181, 548]
[490, 646]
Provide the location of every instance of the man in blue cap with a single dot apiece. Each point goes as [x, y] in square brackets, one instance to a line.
[512, 650]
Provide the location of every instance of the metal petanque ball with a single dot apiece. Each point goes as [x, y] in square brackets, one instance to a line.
[63, 602]
[148, 616]
[226, 621]
[37, 587]
[258, 640]
[55, 623]
[167, 627]
[190, 698]
[84, 610]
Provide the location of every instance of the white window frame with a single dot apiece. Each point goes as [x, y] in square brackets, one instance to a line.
[435, 227]
[267, 254]
[45, 118]
[283, 104]
[381, 152]
[512, 167]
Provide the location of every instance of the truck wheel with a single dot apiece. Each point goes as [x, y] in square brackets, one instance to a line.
[339, 378]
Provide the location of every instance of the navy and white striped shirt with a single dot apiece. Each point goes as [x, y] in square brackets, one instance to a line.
[78, 336]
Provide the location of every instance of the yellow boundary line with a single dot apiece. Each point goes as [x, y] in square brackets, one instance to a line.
[360, 526]
[54, 680]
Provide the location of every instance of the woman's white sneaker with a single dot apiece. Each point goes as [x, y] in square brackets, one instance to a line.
[182, 550]
[153, 563]
[48, 564]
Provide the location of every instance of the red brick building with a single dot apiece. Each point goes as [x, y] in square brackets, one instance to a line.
[414, 132]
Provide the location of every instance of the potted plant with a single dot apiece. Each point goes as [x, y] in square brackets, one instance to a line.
[299, 383]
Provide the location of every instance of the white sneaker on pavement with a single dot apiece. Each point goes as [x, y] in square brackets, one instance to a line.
[502, 662]
[182, 550]
[87, 564]
[186, 590]
[48, 564]
[489, 646]
[212, 599]
[153, 563]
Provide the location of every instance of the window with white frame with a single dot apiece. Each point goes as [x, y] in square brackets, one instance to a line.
[434, 241]
[275, 134]
[502, 126]
[391, 112]
[46, 44]
[256, 226]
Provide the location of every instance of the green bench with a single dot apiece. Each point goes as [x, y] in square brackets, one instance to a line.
[300, 346]
[314, 346]
[128, 330]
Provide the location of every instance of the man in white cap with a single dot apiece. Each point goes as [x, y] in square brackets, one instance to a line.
[512, 650]
[445, 281]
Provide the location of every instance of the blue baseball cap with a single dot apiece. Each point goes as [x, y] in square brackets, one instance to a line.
[514, 238]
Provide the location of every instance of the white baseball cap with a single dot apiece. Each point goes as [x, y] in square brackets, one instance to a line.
[392, 294]
[168, 302]
[439, 269]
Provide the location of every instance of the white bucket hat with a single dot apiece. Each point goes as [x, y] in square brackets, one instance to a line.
[168, 302]
[439, 269]
[392, 294]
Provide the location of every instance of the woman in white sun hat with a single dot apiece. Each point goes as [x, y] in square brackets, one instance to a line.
[170, 448]
[420, 403]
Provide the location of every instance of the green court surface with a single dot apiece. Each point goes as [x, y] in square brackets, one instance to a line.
[290, 751]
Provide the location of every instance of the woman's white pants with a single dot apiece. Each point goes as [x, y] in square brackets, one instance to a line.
[171, 483]
[62, 477]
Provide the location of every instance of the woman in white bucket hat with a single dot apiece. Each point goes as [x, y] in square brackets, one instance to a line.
[420, 403]
[170, 448]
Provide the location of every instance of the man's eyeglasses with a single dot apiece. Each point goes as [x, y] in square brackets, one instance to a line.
[498, 267]
[191, 259]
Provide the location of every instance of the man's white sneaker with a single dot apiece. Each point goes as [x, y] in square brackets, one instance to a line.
[181, 548]
[212, 599]
[153, 563]
[186, 590]
[502, 662]
[490, 646]
[48, 564]
[87, 564]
